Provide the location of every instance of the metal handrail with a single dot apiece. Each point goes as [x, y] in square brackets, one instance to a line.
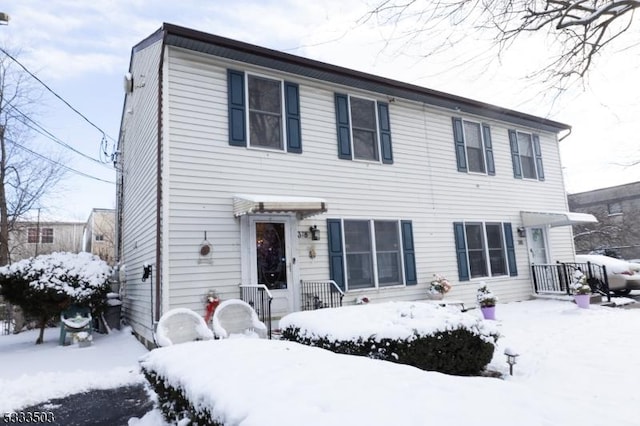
[253, 294]
[320, 294]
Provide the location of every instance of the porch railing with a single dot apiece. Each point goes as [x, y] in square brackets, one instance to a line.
[259, 297]
[6, 317]
[556, 278]
[320, 294]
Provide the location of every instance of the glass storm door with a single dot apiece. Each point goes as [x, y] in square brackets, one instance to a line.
[271, 255]
[537, 246]
[271, 263]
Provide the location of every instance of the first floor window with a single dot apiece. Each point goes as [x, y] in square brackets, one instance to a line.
[372, 253]
[485, 249]
[32, 235]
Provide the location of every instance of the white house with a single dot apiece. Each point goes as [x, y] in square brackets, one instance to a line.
[244, 165]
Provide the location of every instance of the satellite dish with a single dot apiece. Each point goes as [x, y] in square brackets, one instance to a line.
[128, 83]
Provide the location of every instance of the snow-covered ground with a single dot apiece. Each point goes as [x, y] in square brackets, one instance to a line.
[576, 367]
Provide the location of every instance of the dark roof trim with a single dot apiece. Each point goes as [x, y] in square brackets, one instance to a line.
[240, 51]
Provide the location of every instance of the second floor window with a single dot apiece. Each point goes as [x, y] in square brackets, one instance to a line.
[364, 130]
[474, 152]
[526, 155]
[45, 235]
[265, 112]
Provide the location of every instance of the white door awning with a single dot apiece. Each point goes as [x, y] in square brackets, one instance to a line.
[244, 204]
[555, 218]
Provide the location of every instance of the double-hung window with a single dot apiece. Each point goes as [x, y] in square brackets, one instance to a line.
[364, 130]
[371, 253]
[264, 112]
[474, 151]
[484, 249]
[526, 155]
[40, 235]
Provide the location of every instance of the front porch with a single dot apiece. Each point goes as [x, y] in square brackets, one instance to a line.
[313, 295]
[556, 278]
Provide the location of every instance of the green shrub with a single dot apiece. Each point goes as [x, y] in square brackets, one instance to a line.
[459, 351]
[46, 285]
[174, 405]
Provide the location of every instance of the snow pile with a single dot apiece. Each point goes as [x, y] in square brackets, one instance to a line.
[391, 320]
[76, 275]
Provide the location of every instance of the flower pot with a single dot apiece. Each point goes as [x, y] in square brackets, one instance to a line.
[582, 300]
[488, 312]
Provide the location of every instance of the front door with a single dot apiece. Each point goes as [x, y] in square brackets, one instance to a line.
[271, 261]
[537, 246]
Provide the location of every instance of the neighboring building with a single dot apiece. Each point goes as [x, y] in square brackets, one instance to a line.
[241, 164]
[99, 234]
[29, 239]
[617, 232]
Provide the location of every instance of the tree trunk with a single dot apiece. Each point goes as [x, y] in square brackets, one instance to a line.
[43, 325]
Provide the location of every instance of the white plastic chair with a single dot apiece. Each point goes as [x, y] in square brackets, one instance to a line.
[181, 325]
[234, 318]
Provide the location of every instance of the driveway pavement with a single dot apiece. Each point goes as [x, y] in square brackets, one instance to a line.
[108, 407]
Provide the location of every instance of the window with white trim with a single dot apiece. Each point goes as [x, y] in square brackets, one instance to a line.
[373, 254]
[364, 129]
[485, 249]
[265, 112]
[474, 146]
[527, 156]
[40, 235]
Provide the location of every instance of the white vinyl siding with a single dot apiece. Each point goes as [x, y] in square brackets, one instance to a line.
[423, 185]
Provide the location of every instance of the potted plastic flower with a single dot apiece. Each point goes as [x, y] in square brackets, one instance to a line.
[581, 290]
[487, 301]
[439, 287]
[83, 339]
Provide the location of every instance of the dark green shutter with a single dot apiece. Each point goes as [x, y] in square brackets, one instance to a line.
[342, 123]
[538, 152]
[409, 252]
[385, 133]
[488, 149]
[511, 250]
[237, 127]
[292, 108]
[458, 139]
[336, 258]
[515, 154]
[461, 251]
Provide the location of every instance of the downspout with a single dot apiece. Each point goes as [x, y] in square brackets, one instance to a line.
[565, 136]
[159, 185]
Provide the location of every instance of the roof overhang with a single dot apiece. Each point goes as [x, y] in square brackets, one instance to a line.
[246, 204]
[553, 219]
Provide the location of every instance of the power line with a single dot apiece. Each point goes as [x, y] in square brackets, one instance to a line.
[58, 163]
[104, 134]
[44, 132]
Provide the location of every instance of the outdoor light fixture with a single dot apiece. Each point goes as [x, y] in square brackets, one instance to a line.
[521, 232]
[511, 359]
[315, 233]
[4, 18]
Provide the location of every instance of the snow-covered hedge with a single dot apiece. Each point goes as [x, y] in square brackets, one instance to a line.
[45, 285]
[260, 382]
[424, 335]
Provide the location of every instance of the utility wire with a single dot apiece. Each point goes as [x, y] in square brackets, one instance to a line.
[58, 163]
[44, 132]
[104, 134]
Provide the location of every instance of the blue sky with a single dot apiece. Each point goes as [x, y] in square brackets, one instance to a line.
[82, 50]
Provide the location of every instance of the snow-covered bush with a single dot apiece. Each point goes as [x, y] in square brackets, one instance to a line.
[579, 284]
[45, 285]
[423, 335]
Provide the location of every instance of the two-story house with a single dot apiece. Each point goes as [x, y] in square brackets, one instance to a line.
[617, 231]
[240, 164]
[99, 234]
[33, 238]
